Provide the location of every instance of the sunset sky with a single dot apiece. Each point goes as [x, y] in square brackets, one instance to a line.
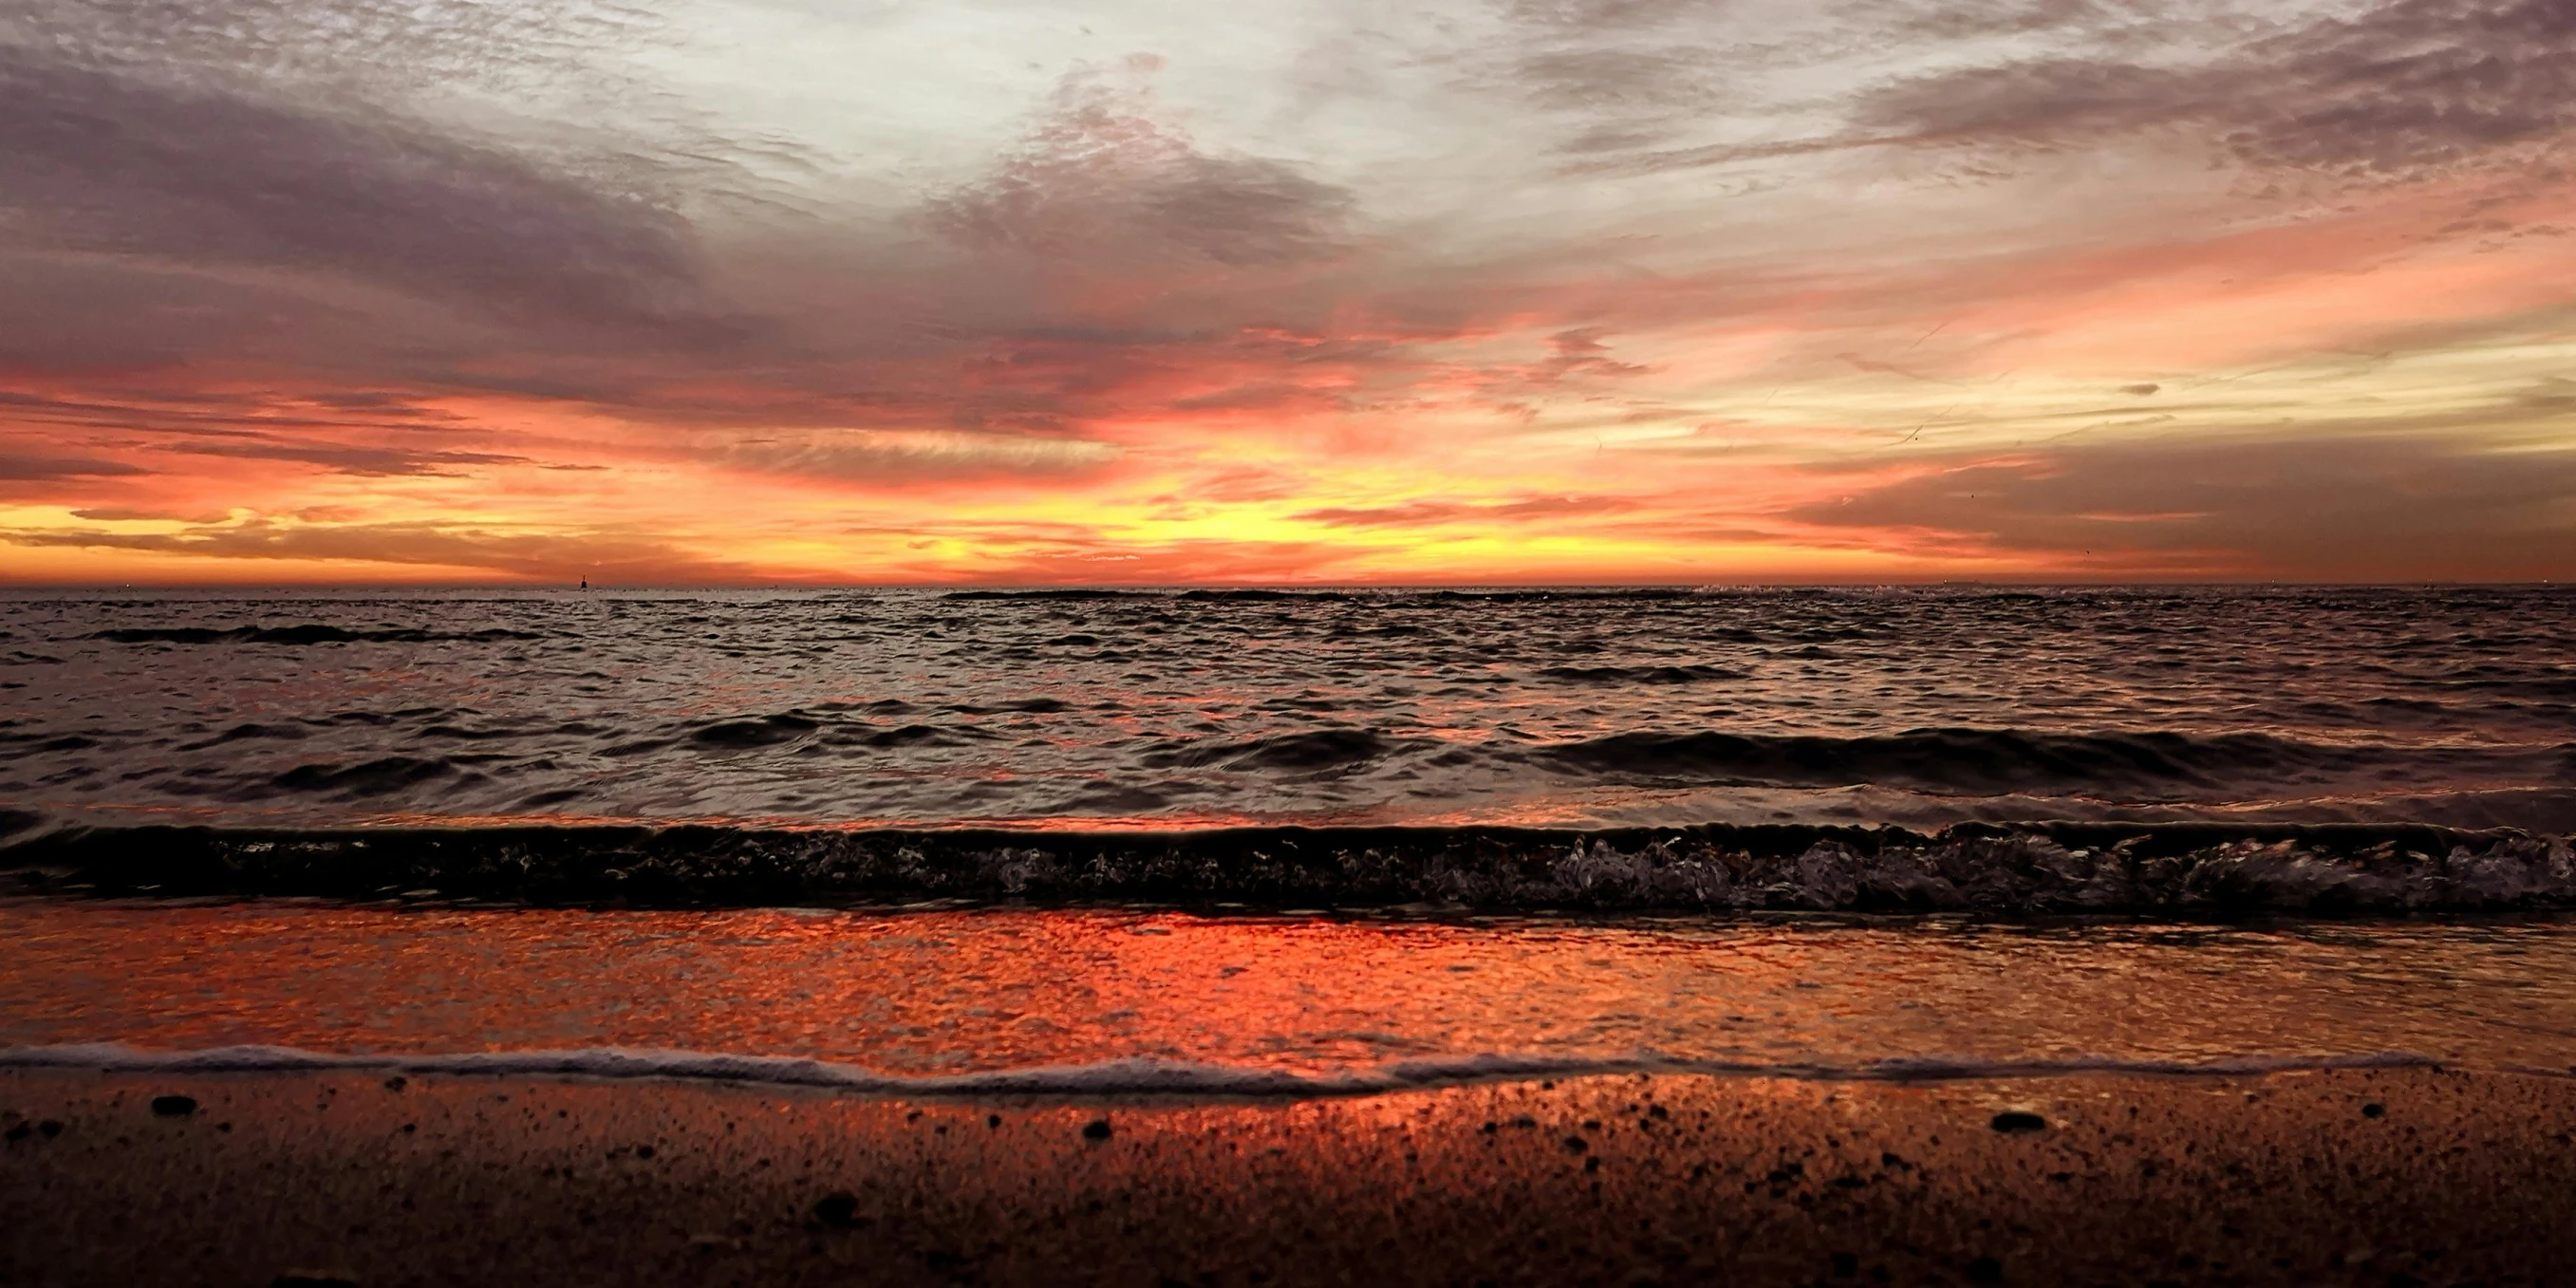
[1314, 291]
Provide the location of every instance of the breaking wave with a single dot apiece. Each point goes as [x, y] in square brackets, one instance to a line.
[2186, 870]
[2126, 765]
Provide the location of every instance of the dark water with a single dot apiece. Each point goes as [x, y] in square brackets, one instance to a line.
[2246, 711]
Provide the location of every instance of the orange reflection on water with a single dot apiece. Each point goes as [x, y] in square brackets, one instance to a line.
[957, 991]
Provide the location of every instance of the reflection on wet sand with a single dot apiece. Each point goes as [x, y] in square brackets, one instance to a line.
[950, 992]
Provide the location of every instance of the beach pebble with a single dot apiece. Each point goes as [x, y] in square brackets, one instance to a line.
[174, 1106]
[839, 1209]
[2014, 1122]
[314, 1279]
[1096, 1129]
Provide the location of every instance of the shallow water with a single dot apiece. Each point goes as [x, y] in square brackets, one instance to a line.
[1572, 709]
[1120, 1000]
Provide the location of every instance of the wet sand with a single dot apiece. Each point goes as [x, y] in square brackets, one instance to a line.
[2381, 1177]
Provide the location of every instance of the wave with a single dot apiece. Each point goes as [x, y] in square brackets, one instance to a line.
[2171, 870]
[1691, 674]
[309, 633]
[1132, 1077]
[1043, 595]
[2143, 765]
[1315, 751]
[762, 732]
[1265, 596]
[381, 777]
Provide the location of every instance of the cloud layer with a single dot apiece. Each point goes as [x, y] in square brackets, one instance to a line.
[1485, 291]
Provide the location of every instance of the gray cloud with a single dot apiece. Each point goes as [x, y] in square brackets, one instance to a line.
[379, 41]
[1100, 181]
[1616, 78]
[2327, 507]
[203, 171]
[2390, 90]
[1588, 15]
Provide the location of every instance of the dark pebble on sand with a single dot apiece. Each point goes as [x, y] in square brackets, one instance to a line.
[1096, 1129]
[2373, 1109]
[1986, 1270]
[993, 1120]
[397, 1082]
[50, 1127]
[2013, 1122]
[837, 1209]
[1577, 1144]
[1846, 1265]
[174, 1106]
[313, 1279]
[21, 1131]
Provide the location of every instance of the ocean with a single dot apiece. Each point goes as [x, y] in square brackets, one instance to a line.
[549, 777]
[2106, 750]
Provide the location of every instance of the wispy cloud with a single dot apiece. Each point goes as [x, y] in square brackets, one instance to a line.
[1100, 182]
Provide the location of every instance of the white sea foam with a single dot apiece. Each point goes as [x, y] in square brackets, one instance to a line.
[1131, 1077]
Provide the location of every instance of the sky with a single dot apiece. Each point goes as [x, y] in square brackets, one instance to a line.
[753, 292]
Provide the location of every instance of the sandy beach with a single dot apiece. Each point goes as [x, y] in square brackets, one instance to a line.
[2358, 1176]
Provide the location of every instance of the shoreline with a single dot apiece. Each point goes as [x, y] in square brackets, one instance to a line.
[2377, 1176]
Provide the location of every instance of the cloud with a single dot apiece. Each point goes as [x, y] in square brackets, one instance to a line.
[346, 458]
[903, 456]
[1436, 513]
[2314, 507]
[1099, 180]
[2387, 91]
[33, 469]
[1590, 15]
[134, 514]
[555, 556]
[1596, 79]
[399, 41]
[280, 256]
[177, 167]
